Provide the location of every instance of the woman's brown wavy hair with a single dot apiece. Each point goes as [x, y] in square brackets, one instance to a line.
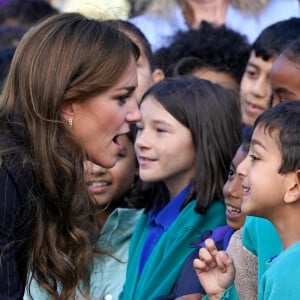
[66, 57]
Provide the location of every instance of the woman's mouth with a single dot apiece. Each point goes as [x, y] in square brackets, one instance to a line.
[118, 145]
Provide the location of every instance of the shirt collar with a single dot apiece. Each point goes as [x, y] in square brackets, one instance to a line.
[168, 214]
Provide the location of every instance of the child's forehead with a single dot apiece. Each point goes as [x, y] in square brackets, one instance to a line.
[260, 62]
[285, 77]
[264, 130]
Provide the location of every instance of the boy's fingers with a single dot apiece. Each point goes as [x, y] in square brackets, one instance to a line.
[207, 257]
[200, 266]
[211, 246]
[223, 261]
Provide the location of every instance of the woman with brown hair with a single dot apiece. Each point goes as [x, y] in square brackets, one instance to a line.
[68, 97]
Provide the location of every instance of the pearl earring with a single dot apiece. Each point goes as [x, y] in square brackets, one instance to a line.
[71, 122]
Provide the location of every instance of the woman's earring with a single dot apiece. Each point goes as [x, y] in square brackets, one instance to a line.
[71, 122]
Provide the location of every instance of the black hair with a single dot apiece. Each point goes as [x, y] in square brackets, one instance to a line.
[215, 47]
[273, 39]
[292, 51]
[26, 12]
[247, 135]
[129, 28]
[212, 114]
[284, 119]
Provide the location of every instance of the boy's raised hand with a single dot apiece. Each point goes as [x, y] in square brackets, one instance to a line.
[215, 270]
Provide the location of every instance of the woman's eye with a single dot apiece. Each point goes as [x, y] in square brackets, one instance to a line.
[122, 99]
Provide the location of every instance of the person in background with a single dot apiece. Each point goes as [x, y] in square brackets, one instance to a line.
[255, 88]
[271, 179]
[147, 71]
[200, 52]
[69, 96]
[6, 56]
[284, 74]
[163, 18]
[25, 13]
[104, 9]
[188, 134]
[9, 39]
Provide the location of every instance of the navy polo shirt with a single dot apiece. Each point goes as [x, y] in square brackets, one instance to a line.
[159, 221]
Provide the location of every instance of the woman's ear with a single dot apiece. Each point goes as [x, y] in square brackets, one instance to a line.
[67, 110]
[292, 193]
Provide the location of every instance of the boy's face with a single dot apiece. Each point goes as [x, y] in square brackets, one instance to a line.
[233, 193]
[255, 88]
[263, 185]
[285, 80]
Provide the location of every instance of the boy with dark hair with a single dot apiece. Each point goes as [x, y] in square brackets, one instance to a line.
[271, 180]
[285, 74]
[213, 48]
[255, 84]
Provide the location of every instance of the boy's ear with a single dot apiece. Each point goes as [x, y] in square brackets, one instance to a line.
[67, 110]
[292, 193]
[158, 75]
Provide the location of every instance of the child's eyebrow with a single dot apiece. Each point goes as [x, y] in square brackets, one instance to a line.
[251, 64]
[283, 90]
[257, 142]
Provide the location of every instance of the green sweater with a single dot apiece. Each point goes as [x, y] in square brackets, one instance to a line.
[166, 260]
[260, 237]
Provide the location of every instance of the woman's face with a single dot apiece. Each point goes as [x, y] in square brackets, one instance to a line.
[99, 121]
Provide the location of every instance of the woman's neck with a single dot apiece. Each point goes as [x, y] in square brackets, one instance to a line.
[196, 11]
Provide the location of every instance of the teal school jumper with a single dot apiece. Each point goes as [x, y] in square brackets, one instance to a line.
[260, 237]
[166, 260]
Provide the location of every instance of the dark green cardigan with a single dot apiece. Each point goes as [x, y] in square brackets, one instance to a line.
[166, 260]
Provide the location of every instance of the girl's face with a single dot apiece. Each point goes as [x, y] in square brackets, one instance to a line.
[233, 193]
[109, 185]
[100, 121]
[164, 148]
